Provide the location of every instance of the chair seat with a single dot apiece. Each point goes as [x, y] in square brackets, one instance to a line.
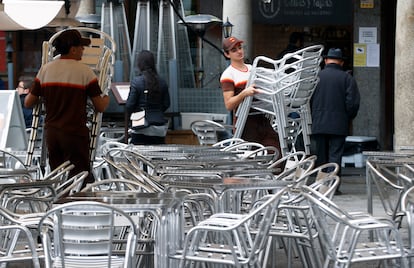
[89, 262]
[371, 251]
[222, 258]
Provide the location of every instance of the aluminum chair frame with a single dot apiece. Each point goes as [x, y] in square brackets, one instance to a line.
[227, 142]
[289, 160]
[344, 236]
[9, 249]
[69, 231]
[296, 174]
[321, 172]
[294, 226]
[30, 197]
[390, 190]
[232, 239]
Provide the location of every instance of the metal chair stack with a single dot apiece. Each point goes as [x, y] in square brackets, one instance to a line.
[101, 58]
[286, 91]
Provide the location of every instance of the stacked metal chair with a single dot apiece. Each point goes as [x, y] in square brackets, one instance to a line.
[286, 87]
[344, 235]
[101, 58]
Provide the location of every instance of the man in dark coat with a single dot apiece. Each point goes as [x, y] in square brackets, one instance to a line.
[334, 104]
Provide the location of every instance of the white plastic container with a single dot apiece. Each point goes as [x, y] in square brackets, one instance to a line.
[188, 118]
[358, 159]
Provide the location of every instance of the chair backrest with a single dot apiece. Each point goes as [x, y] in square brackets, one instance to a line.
[307, 56]
[326, 186]
[267, 154]
[9, 160]
[297, 173]
[389, 188]
[345, 236]
[244, 148]
[326, 215]
[289, 160]
[261, 218]
[8, 245]
[323, 171]
[28, 197]
[227, 142]
[206, 131]
[81, 232]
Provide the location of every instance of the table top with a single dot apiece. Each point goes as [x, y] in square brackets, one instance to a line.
[23, 183]
[392, 161]
[12, 171]
[128, 199]
[211, 173]
[224, 184]
[388, 153]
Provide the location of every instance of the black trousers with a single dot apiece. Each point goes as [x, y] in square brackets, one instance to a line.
[62, 146]
[328, 148]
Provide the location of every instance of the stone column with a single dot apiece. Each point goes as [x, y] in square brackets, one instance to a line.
[240, 15]
[404, 74]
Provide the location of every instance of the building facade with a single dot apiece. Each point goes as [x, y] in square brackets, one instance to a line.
[368, 26]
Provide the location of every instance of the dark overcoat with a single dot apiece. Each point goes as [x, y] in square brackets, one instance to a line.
[335, 101]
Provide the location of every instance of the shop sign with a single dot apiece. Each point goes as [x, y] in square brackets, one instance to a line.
[303, 12]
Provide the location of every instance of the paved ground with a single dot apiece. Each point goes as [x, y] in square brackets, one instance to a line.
[354, 198]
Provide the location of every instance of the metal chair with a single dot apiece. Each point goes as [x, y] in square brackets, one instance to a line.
[244, 149]
[227, 142]
[268, 155]
[296, 174]
[321, 172]
[230, 239]
[294, 226]
[82, 233]
[13, 168]
[344, 236]
[12, 249]
[289, 160]
[390, 188]
[207, 131]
